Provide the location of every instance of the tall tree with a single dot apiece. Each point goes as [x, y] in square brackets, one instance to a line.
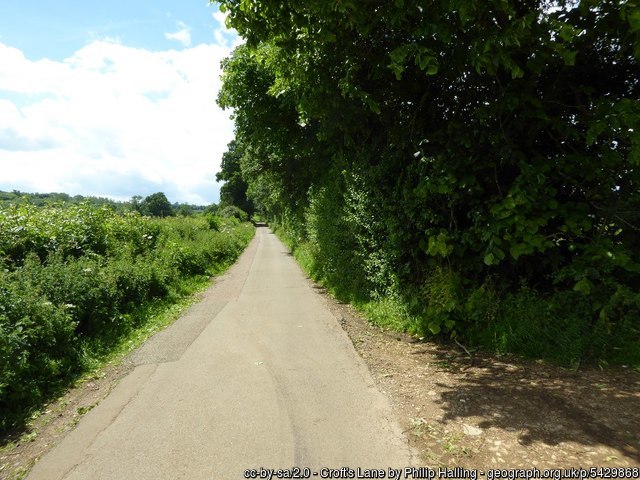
[234, 190]
[156, 205]
[497, 139]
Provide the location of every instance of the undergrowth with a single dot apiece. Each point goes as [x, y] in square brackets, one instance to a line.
[558, 326]
[78, 283]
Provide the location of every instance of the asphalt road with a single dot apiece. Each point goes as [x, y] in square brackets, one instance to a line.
[258, 374]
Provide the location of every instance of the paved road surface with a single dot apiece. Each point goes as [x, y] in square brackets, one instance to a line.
[257, 374]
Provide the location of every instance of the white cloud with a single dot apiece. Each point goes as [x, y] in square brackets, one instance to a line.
[113, 120]
[221, 18]
[225, 36]
[183, 35]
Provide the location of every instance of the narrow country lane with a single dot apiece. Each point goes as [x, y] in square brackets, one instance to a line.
[258, 374]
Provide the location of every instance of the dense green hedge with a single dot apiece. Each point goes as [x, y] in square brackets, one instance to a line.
[74, 277]
[475, 164]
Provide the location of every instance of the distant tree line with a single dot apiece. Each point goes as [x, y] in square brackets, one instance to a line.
[40, 199]
[154, 205]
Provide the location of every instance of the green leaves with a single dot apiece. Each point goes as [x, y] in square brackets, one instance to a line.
[493, 138]
[633, 17]
[398, 60]
[494, 256]
[427, 62]
[434, 327]
[583, 286]
[425, 59]
[437, 245]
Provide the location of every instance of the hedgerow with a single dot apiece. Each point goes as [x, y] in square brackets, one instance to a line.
[473, 164]
[72, 278]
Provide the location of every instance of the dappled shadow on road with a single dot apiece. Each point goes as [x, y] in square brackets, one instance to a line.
[544, 404]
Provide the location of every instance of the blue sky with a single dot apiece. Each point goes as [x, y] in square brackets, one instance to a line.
[113, 98]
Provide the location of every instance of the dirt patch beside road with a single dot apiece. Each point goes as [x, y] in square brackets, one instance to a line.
[19, 453]
[500, 412]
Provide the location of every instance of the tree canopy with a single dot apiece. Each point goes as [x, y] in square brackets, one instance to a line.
[497, 141]
[234, 190]
[156, 205]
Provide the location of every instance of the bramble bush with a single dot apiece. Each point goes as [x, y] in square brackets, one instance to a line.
[75, 276]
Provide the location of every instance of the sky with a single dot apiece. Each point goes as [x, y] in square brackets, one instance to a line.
[113, 98]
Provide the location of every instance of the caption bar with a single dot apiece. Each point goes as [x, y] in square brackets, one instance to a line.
[438, 473]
